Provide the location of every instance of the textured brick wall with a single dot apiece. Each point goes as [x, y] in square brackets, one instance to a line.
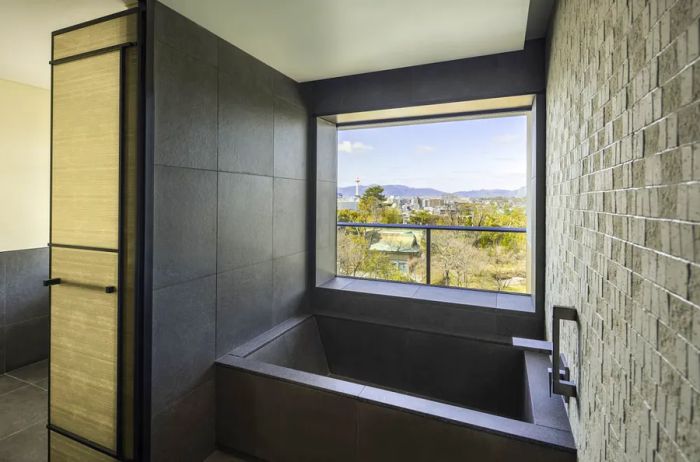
[623, 221]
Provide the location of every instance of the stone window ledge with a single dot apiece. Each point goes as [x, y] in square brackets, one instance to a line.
[456, 296]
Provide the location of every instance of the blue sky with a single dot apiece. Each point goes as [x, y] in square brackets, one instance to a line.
[449, 156]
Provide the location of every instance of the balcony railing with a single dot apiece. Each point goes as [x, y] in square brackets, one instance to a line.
[477, 257]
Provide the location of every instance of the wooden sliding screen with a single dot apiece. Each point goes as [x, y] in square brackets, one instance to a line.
[94, 119]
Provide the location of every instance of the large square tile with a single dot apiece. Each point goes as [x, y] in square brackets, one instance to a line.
[287, 89]
[450, 319]
[185, 430]
[326, 219]
[245, 127]
[28, 445]
[275, 420]
[184, 234]
[290, 235]
[185, 110]
[326, 151]
[364, 351]
[26, 342]
[315, 425]
[325, 265]
[184, 334]
[306, 352]
[8, 384]
[247, 413]
[389, 434]
[245, 220]
[32, 373]
[289, 286]
[392, 310]
[244, 305]
[25, 296]
[325, 231]
[22, 408]
[185, 35]
[429, 371]
[244, 69]
[291, 134]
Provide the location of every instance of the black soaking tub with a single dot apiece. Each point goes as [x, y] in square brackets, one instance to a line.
[320, 388]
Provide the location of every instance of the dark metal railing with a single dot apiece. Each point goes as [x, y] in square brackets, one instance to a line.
[428, 229]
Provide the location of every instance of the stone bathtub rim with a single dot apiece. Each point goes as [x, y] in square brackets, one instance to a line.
[452, 414]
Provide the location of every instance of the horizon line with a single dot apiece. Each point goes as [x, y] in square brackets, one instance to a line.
[430, 187]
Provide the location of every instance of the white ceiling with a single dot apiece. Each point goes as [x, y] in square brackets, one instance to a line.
[318, 39]
[25, 33]
[305, 39]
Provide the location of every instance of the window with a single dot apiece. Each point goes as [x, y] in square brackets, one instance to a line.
[436, 201]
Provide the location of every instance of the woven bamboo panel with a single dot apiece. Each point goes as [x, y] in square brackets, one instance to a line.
[101, 35]
[85, 166]
[84, 344]
[66, 450]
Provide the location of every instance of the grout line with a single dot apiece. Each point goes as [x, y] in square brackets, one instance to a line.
[25, 321]
[24, 385]
[4, 438]
[33, 384]
[233, 172]
[186, 281]
[216, 224]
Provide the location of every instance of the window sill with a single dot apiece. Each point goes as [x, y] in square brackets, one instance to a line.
[450, 295]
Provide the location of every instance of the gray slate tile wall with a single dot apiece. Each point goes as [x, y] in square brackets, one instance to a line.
[623, 222]
[230, 207]
[24, 307]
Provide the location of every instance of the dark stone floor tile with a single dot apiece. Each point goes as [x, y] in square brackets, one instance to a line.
[22, 408]
[8, 384]
[32, 373]
[28, 445]
[43, 384]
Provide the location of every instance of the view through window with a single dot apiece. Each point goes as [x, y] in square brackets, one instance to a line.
[451, 194]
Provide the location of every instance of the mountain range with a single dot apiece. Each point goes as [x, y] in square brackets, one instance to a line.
[408, 191]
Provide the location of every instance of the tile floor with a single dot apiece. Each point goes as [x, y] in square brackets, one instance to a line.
[23, 409]
[23, 413]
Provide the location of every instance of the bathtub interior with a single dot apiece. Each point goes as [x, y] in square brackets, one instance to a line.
[482, 376]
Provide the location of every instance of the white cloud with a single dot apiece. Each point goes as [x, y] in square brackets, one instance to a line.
[424, 148]
[353, 146]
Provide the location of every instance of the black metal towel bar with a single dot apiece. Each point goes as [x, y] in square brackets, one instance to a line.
[56, 281]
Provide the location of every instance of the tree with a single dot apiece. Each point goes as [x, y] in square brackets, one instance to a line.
[376, 192]
[422, 217]
[372, 201]
[352, 216]
[391, 215]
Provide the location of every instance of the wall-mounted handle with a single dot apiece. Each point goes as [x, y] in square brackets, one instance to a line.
[56, 281]
[561, 385]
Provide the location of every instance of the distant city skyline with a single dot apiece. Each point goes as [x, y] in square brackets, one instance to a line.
[450, 156]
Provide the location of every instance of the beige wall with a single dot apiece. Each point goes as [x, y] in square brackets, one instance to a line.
[623, 222]
[24, 166]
